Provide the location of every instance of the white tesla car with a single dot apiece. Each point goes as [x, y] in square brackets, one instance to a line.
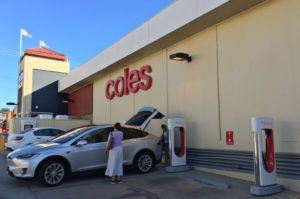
[31, 136]
[82, 149]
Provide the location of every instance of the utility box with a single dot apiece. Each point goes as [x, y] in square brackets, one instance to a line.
[45, 116]
[62, 117]
[27, 123]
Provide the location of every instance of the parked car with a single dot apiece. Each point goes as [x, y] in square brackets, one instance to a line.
[31, 136]
[82, 149]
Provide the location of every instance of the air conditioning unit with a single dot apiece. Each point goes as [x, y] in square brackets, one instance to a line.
[61, 117]
[45, 116]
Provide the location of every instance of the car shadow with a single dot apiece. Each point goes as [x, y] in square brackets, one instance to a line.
[83, 178]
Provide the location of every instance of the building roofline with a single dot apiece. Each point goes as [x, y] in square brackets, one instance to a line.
[164, 29]
[44, 53]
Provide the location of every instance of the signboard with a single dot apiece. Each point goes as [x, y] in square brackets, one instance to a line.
[20, 79]
[131, 82]
[229, 138]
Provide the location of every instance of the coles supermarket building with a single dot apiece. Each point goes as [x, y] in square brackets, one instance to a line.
[245, 62]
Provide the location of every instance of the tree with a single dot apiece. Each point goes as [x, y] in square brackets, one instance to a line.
[5, 110]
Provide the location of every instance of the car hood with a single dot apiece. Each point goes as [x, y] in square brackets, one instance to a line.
[35, 148]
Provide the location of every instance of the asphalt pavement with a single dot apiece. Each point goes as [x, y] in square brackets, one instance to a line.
[154, 185]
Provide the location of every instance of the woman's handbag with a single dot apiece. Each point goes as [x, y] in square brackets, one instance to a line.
[110, 143]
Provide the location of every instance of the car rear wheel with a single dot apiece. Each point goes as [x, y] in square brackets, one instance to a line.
[144, 162]
[52, 173]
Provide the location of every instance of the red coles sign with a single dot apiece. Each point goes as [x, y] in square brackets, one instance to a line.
[131, 82]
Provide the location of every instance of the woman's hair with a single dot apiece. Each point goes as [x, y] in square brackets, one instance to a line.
[164, 127]
[117, 126]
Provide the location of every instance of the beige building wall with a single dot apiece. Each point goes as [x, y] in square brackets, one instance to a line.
[30, 63]
[245, 66]
[101, 106]
[120, 109]
[192, 89]
[40, 63]
[259, 56]
[157, 95]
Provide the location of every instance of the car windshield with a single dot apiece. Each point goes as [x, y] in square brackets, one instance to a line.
[69, 135]
[25, 131]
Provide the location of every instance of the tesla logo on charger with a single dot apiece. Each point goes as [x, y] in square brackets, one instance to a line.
[131, 82]
[266, 123]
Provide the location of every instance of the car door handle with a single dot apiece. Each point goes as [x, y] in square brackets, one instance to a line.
[39, 138]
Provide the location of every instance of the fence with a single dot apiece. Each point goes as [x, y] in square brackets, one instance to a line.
[15, 125]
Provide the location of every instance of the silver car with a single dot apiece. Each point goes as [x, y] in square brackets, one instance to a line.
[82, 149]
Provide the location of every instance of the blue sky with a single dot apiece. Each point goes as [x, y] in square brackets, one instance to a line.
[76, 28]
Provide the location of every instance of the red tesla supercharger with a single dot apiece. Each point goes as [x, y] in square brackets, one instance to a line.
[177, 145]
[264, 157]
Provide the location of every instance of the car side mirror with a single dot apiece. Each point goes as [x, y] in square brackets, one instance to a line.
[81, 143]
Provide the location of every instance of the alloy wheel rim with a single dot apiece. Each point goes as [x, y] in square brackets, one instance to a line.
[145, 163]
[54, 173]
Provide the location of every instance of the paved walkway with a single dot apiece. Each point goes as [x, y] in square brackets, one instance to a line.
[155, 185]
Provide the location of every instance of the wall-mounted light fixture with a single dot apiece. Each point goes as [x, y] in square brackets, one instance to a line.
[66, 101]
[181, 57]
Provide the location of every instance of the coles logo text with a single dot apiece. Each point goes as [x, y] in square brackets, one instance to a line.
[131, 82]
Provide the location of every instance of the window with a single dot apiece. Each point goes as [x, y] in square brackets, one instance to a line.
[57, 132]
[25, 131]
[97, 136]
[71, 134]
[131, 133]
[43, 132]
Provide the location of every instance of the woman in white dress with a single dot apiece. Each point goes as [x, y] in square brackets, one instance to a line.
[114, 150]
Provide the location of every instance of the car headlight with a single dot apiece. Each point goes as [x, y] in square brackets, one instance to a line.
[27, 156]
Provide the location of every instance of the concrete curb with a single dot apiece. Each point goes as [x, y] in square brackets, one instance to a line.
[207, 179]
[220, 185]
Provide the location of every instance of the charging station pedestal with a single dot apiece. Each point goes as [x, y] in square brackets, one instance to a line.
[177, 145]
[264, 157]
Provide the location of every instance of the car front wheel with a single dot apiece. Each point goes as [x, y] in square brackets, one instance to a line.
[143, 162]
[52, 173]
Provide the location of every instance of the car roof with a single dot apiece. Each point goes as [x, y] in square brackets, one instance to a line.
[45, 127]
[111, 125]
[102, 126]
[92, 127]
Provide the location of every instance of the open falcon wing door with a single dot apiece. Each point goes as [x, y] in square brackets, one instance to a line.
[143, 117]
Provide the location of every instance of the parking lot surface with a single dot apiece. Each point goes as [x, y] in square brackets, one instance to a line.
[154, 185]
